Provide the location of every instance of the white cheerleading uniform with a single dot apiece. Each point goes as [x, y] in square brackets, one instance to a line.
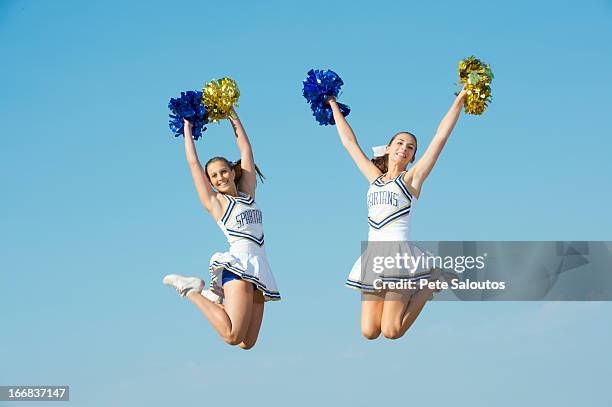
[390, 205]
[242, 225]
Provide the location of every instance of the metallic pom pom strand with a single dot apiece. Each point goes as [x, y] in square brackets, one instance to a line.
[477, 77]
[219, 97]
[317, 87]
[188, 106]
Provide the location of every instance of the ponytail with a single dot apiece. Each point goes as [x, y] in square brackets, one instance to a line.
[381, 162]
[238, 171]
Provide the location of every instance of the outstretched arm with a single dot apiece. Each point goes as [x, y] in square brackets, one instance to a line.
[349, 141]
[248, 181]
[205, 191]
[425, 164]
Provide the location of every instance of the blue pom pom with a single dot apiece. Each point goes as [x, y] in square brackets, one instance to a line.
[318, 86]
[323, 113]
[188, 106]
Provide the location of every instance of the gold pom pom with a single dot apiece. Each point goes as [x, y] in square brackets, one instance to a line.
[477, 76]
[219, 96]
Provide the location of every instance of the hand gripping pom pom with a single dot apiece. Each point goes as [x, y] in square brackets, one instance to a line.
[318, 86]
[477, 77]
[219, 96]
[188, 106]
[323, 113]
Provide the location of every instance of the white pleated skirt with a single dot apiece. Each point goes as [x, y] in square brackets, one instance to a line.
[363, 278]
[249, 262]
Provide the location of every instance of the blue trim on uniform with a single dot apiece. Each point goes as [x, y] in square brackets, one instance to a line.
[247, 201]
[232, 203]
[400, 183]
[235, 233]
[244, 198]
[388, 219]
[379, 183]
[353, 285]
[228, 210]
[400, 212]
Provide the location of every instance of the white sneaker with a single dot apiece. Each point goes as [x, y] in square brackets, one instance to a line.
[184, 285]
[208, 293]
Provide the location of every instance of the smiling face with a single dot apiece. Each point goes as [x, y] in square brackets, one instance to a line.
[221, 176]
[402, 149]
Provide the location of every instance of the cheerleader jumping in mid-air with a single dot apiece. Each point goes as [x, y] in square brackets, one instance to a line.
[391, 196]
[241, 278]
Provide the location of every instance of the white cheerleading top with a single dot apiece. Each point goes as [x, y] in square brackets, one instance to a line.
[246, 258]
[242, 223]
[389, 207]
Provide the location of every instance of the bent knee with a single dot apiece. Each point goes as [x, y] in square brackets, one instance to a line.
[392, 332]
[232, 339]
[246, 345]
[370, 332]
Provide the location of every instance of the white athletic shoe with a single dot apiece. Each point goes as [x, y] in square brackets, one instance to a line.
[184, 285]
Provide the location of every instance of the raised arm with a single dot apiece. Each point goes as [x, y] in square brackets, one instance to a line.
[349, 141]
[421, 169]
[205, 192]
[248, 181]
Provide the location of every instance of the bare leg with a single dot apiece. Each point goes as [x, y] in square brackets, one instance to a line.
[401, 309]
[371, 315]
[257, 312]
[231, 321]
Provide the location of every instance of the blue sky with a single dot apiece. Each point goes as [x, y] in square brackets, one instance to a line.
[97, 201]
